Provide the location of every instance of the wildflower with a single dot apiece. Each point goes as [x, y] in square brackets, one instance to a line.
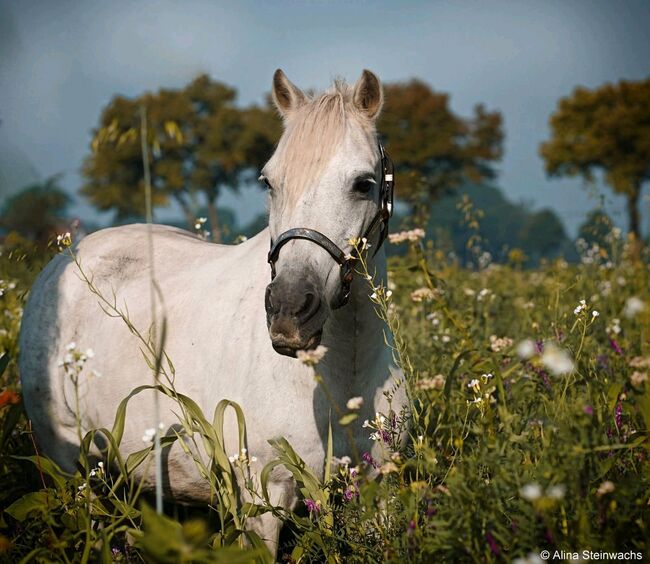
[594, 314]
[7, 397]
[475, 385]
[435, 383]
[531, 492]
[637, 379]
[615, 346]
[526, 349]
[640, 362]
[354, 403]
[368, 459]
[605, 488]
[312, 506]
[311, 358]
[531, 558]
[198, 224]
[413, 235]
[556, 492]
[469, 292]
[580, 307]
[633, 306]
[148, 436]
[614, 327]
[388, 468]
[557, 360]
[497, 344]
[64, 241]
[423, 295]
[350, 493]
[486, 377]
[588, 410]
[484, 293]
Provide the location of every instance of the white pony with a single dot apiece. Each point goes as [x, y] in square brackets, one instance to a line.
[325, 176]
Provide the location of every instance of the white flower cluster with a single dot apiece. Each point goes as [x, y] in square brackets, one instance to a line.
[74, 360]
[423, 295]
[497, 344]
[435, 383]
[377, 424]
[63, 241]
[150, 434]
[242, 457]
[202, 233]
[533, 492]
[355, 403]
[313, 357]
[412, 235]
[633, 306]
[557, 360]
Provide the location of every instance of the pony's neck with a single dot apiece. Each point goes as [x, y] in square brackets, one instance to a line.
[354, 332]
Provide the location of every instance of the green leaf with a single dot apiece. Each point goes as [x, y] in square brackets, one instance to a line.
[42, 501]
[348, 418]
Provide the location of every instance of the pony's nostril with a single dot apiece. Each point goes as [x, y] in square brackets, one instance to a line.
[309, 307]
[268, 302]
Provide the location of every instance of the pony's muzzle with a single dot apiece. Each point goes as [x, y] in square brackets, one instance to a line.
[295, 315]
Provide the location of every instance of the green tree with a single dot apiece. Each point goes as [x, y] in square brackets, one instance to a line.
[434, 149]
[36, 211]
[201, 142]
[542, 234]
[608, 130]
[596, 228]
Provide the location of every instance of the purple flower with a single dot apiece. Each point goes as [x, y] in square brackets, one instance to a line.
[350, 493]
[494, 547]
[367, 457]
[618, 414]
[539, 347]
[385, 436]
[411, 527]
[312, 506]
[615, 346]
[588, 410]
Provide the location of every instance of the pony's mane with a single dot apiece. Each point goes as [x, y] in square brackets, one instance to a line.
[313, 131]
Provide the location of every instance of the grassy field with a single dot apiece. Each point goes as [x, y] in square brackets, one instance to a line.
[530, 410]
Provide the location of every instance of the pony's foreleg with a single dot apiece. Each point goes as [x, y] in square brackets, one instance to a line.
[282, 493]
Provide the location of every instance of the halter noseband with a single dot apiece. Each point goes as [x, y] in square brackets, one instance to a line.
[346, 261]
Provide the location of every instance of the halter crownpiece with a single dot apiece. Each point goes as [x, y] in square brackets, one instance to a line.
[346, 261]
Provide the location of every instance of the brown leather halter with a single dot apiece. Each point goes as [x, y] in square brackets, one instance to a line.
[346, 261]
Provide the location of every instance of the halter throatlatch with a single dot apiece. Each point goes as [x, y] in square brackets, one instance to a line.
[346, 261]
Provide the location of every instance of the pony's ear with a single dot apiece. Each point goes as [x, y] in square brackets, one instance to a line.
[368, 96]
[286, 95]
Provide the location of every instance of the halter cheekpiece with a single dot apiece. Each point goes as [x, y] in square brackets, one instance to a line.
[346, 261]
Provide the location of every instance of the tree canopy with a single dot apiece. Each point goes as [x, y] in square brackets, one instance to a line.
[36, 211]
[200, 143]
[434, 149]
[608, 130]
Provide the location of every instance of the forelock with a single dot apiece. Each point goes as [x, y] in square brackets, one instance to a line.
[312, 134]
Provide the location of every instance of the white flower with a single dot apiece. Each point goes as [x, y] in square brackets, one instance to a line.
[311, 358]
[531, 492]
[526, 349]
[413, 235]
[71, 346]
[582, 305]
[605, 488]
[532, 558]
[557, 360]
[149, 435]
[633, 306]
[355, 403]
[594, 314]
[556, 492]
[90, 353]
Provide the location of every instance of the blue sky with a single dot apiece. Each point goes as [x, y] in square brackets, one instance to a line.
[62, 61]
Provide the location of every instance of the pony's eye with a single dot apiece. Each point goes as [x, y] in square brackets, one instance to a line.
[364, 185]
[263, 178]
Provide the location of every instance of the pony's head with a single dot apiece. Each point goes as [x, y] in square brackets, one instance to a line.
[324, 177]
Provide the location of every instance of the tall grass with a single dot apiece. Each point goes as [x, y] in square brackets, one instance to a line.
[528, 431]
